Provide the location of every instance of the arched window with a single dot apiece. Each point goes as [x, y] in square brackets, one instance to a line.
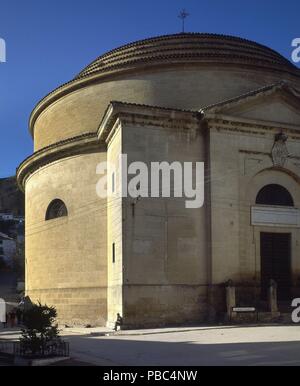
[274, 194]
[56, 208]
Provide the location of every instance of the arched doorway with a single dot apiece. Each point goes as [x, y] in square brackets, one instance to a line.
[275, 247]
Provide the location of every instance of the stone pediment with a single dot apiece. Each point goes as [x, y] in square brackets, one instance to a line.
[275, 103]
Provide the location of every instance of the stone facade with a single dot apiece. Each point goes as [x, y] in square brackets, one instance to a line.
[65, 269]
[188, 97]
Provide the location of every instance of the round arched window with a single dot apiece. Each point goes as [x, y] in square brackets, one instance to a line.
[56, 209]
[274, 194]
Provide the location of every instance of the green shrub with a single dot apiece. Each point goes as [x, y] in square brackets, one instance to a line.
[40, 329]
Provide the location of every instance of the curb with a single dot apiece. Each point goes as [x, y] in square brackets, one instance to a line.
[38, 362]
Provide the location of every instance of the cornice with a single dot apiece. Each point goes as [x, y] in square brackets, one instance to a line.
[121, 113]
[230, 123]
[282, 88]
[135, 114]
[117, 113]
[268, 154]
[84, 143]
[131, 67]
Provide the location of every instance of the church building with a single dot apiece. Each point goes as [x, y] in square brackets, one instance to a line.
[227, 102]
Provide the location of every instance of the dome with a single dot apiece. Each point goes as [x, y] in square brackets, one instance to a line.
[183, 71]
[188, 47]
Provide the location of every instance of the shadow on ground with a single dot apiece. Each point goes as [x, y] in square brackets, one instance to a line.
[205, 346]
[186, 351]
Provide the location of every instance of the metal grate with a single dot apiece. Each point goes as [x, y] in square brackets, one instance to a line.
[54, 348]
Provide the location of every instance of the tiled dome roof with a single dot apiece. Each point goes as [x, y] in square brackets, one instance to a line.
[188, 48]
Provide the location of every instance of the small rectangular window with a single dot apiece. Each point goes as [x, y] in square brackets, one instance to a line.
[113, 182]
[114, 253]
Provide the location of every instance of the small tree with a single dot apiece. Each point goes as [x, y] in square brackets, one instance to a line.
[40, 329]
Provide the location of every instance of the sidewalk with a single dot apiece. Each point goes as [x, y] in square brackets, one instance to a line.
[14, 333]
[104, 331]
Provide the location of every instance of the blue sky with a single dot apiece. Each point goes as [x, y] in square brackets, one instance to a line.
[50, 41]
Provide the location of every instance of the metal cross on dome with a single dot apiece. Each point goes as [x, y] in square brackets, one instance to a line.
[183, 15]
